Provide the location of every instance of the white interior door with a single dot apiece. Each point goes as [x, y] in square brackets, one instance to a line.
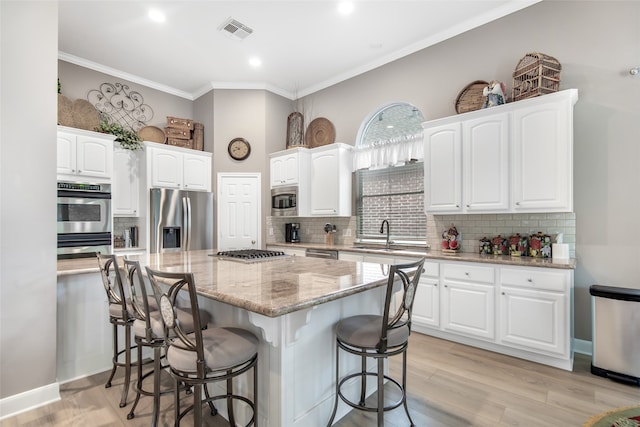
[239, 225]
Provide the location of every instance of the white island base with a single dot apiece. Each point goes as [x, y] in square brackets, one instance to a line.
[296, 382]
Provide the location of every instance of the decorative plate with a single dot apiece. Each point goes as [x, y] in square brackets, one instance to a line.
[320, 132]
[152, 133]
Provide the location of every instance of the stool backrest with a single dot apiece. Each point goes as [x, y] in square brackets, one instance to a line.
[190, 340]
[140, 298]
[112, 281]
[409, 275]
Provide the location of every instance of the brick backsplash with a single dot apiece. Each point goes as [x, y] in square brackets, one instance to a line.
[312, 229]
[471, 227]
[475, 227]
[122, 223]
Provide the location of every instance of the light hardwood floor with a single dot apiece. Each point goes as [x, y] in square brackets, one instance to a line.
[449, 385]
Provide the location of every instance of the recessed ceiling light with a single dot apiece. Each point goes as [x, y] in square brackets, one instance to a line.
[345, 7]
[255, 62]
[156, 15]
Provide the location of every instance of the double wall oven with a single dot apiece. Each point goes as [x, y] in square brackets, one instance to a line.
[84, 219]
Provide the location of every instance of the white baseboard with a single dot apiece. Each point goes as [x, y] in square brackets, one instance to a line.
[582, 347]
[22, 402]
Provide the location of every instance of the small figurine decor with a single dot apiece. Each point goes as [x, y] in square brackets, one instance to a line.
[495, 94]
[451, 240]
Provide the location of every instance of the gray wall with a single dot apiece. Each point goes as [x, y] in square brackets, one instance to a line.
[77, 81]
[28, 49]
[596, 54]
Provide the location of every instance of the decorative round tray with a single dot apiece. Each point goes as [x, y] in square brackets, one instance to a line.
[320, 132]
[85, 115]
[152, 133]
[471, 97]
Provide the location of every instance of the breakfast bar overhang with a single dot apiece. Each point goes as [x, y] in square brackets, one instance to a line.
[292, 303]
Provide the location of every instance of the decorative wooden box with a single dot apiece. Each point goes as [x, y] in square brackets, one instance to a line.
[184, 143]
[177, 133]
[536, 74]
[178, 123]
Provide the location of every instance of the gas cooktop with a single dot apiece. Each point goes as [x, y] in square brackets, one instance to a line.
[250, 255]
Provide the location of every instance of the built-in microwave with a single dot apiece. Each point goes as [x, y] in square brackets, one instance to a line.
[284, 201]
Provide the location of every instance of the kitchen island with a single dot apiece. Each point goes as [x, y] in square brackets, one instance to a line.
[292, 304]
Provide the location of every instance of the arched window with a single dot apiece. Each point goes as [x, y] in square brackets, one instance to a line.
[390, 175]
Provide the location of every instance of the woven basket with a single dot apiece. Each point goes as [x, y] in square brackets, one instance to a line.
[471, 97]
[536, 74]
[65, 111]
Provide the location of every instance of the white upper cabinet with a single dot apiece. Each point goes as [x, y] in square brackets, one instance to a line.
[288, 167]
[180, 168]
[516, 157]
[443, 168]
[485, 164]
[126, 182]
[84, 154]
[543, 155]
[331, 170]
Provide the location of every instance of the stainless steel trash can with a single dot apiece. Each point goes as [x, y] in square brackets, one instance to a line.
[615, 314]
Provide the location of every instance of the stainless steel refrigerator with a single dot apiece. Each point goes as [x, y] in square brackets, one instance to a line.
[180, 220]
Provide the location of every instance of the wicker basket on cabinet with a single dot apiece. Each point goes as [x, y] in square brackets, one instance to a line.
[536, 74]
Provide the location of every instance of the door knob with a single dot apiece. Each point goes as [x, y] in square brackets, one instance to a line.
[253, 242]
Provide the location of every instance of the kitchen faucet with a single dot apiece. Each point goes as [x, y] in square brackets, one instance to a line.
[384, 221]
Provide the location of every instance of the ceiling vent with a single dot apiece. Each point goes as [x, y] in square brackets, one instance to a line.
[235, 29]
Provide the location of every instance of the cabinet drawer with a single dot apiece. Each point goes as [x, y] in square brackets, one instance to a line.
[466, 272]
[431, 269]
[535, 279]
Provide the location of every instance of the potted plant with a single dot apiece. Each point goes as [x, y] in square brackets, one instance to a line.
[127, 138]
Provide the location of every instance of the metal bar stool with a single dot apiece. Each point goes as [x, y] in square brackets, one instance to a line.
[149, 331]
[120, 315]
[379, 337]
[204, 356]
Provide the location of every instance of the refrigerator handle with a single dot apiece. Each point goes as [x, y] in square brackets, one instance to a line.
[188, 224]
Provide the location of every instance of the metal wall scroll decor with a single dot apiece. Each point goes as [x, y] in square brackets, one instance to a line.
[118, 104]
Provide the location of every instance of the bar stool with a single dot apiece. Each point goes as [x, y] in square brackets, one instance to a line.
[379, 337]
[148, 331]
[120, 315]
[205, 356]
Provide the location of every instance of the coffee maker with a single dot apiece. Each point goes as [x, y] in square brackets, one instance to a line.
[292, 232]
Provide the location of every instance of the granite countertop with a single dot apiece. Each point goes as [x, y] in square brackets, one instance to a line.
[439, 255]
[272, 287]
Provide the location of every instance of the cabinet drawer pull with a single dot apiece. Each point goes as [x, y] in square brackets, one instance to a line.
[466, 273]
[503, 293]
[468, 206]
[530, 280]
[517, 203]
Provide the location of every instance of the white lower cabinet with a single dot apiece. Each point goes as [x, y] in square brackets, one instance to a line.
[468, 300]
[426, 306]
[534, 310]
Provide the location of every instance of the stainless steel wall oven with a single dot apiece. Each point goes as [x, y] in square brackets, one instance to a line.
[84, 219]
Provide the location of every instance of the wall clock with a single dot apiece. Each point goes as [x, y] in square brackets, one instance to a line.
[239, 149]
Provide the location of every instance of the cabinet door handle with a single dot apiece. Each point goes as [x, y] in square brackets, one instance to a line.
[466, 273]
[468, 206]
[457, 206]
[530, 280]
[517, 203]
[503, 293]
